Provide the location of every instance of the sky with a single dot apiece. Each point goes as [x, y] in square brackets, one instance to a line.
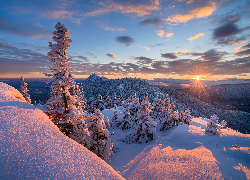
[147, 39]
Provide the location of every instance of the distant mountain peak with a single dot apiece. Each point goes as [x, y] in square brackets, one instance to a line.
[94, 77]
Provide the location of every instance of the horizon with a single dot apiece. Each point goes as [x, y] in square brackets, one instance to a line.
[182, 39]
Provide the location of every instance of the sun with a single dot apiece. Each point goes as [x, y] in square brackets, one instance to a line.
[197, 78]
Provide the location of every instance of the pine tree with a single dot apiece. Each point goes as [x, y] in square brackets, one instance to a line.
[108, 102]
[213, 125]
[61, 105]
[24, 90]
[100, 103]
[187, 118]
[167, 115]
[146, 127]
[223, 124]
[126, 122]
[102, 143]
[114, 118]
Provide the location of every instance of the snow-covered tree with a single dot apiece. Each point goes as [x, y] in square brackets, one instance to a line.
[157, 108]
[213, 125]
[167, 115]
[24, 90]
[114, 118]
[187, 118]
[61, 105]
[134, 105]
[126, 122]
[102, 142]
[145, 129]
[100, 103]
[223, 124]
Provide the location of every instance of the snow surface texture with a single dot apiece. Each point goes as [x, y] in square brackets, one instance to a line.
[185, 152]
[32, 147]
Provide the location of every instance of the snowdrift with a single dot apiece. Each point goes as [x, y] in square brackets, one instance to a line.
[185, 152]
[32, 147]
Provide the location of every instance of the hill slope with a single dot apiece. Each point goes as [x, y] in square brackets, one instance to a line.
[32, 147]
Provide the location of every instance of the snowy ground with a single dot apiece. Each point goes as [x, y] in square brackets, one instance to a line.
[185, 152]
[31, 147]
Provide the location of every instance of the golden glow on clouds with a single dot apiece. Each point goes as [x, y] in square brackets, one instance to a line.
[196, 36]
[182, 52]
[126, 8]
[194, 14]
[162, 33]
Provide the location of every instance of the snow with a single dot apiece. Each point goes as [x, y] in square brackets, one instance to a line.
[185, 152]
[32, 147]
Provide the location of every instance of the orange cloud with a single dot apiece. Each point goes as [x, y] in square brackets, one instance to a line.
[126, 8]
[106, 28]
[57, 14]
[194, 14]
[111, 55]
[182, 52]
[146, 47]
[162, 33]
[196, 36]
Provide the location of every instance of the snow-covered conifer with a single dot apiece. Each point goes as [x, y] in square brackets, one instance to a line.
[108, 102]
[223, 124]
[145, 129]
[213, 125]
[102, 142]
[114, 118]
[157, 108]
[61, 105]
[100, 103]
[187, 118]
[114, 100]
[126, 122]
[24, 90]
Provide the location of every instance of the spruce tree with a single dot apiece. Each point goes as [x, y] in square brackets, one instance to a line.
[114, 118]
[102, 142]
[145, 129]
[24, 90]
[213, 125]
[126, 122]
[61, 105]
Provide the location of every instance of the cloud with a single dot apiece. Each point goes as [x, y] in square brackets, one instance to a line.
[213, 55]
[196, 36]
[125, 40]
[82, 58]
[226, 30]
[182, 52]
[233, 40]
[243, 53]
[19, 60]
[106, 28]
[23, 29]
[146, 47]
[243, 47]
[162, 33]
[111, 55]
[196, 13]
[125, 7]
[57, 14]
[150, 22]
[158, 44]
[142, 59]
[169, 55]
[58, 9]
[91, 53]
